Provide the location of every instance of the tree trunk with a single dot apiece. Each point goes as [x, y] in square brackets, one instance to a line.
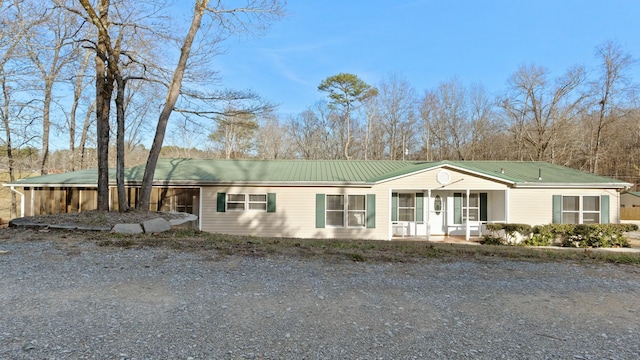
[104, 90]
[123, 205]
[46, 124]
[5, 120]
[172, 96]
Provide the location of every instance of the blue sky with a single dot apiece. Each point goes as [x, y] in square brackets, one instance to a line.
[425, 41]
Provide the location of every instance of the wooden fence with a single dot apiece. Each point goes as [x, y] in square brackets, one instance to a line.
[632, 213]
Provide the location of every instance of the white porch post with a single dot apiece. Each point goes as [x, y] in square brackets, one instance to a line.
[467, 230]
[506, 206]
[32, 201]
[427, 209]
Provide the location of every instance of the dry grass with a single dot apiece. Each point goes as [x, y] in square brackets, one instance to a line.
[354, 250]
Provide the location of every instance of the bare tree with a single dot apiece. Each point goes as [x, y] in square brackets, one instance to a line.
[255, 14]
[539, 111]
[610, 94]
[397, 101]
[17, 26]
[235, 134]
[272, 139]
[51, 49]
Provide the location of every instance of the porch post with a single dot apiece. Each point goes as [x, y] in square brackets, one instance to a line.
[506, 206]
[467, 230]
[427, 215]
[32, 201]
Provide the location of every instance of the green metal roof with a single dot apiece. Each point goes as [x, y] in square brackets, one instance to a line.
[206, 171]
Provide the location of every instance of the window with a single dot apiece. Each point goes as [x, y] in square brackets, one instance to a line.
[246, 202]
[351, 212]
[357, 213]
[580, 209]
[335, 210]
[236, 202]
[406, 207]
[473, 207]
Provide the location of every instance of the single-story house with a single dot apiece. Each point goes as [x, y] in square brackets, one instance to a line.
[347, 199]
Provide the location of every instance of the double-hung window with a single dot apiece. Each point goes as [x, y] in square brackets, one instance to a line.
[470, 207]
[406, 207]
[246, 202]
[349, 210]
[580, 209]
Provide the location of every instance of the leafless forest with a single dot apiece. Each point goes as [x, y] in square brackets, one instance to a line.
[51, 54]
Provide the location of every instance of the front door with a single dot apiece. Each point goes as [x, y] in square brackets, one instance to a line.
[438, 213]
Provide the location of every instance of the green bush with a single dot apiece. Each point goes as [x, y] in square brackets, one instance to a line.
[492, 240]
[568, 235]
[596, 235]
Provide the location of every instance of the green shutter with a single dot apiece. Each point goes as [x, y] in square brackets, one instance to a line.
[222, 202]
[457, 208]
[604, 209]
[420, 208]
[557, 209]
[271, 202]
[483, 206]
[394, 206]
[320, 208]
[371, 211]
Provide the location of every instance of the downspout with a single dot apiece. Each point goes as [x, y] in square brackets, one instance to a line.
[21, 200]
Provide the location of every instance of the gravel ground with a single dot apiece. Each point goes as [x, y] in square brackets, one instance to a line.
[82, 301]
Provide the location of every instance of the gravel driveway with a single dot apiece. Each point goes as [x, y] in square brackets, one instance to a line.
[90, 302]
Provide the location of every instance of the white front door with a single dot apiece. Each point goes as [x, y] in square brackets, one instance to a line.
[438, 213]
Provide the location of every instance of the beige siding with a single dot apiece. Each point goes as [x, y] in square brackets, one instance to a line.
[427, 180]
[534, 206]
[295, 214]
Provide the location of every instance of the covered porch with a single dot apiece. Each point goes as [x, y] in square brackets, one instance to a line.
[449, 215]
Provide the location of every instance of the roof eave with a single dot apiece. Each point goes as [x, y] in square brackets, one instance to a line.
[573, 185]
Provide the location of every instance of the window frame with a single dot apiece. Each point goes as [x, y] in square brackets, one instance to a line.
[412, 208]
[580, 211]
[346, 210]
[246, 202]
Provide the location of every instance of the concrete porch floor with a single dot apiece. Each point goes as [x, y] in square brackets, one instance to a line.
[474, 240]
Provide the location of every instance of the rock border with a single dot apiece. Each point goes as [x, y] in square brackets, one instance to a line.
[155, 225]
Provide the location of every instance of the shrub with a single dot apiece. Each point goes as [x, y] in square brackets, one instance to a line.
[492, 240]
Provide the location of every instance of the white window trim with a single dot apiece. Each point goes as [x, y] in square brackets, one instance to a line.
[246, 202]
[345, 212]
[581, 210]
[406, 207]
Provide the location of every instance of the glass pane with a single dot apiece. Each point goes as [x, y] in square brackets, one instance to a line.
[405, 215]
[570, 203]
[335, 218]
[591, 218]
[235, 206]
[405, 200]
[570, 218]
[437, 204]
[257, 197]
[473, 214]
[473, 200]
[257, 206]
[356, 218]
[335, 202]
[356, 202]
[591, 203]
[235, 197]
